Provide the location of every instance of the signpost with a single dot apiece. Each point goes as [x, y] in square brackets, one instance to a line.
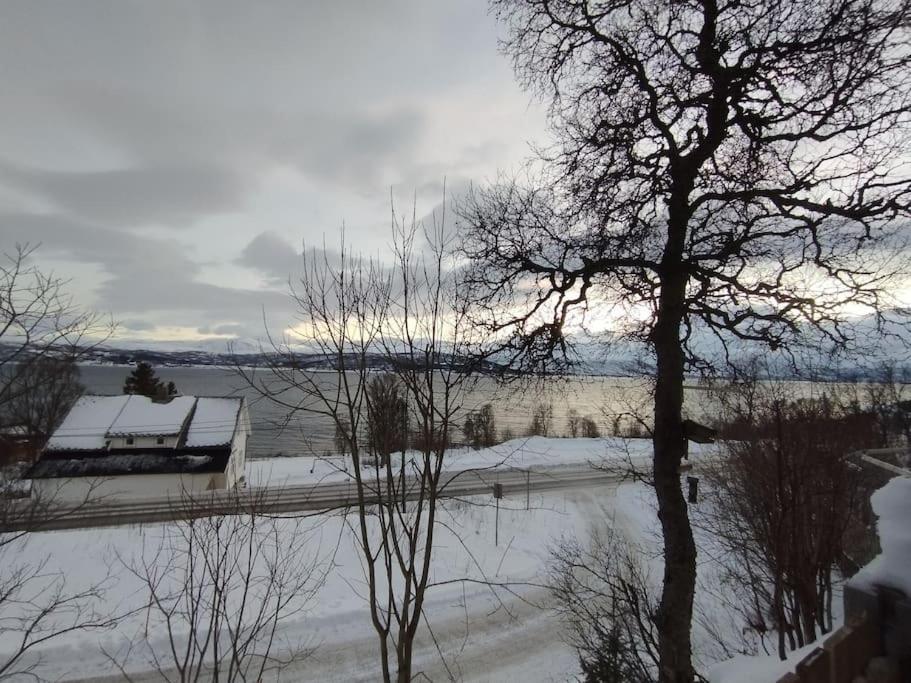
[497, 494]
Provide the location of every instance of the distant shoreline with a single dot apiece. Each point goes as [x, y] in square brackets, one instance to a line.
[691, 382]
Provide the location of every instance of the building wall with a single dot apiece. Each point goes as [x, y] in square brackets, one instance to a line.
[236, 469]
[144, 442]
[133, 486]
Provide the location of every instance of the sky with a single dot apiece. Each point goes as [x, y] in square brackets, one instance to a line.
[172, 159]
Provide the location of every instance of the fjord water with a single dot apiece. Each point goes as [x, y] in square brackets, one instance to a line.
[308, 433]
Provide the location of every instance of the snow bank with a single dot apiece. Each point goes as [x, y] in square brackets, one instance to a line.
[892, 567]
[534, 452]
[758, 669]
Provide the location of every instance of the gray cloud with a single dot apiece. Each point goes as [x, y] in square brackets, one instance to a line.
[272, 256]
[168, 195]
[137, 325]
[350, 145]
[278, 261]
[162, 149]
[234, 329]
[145, 275]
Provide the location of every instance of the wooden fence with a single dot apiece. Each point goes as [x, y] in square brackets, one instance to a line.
[844, 655]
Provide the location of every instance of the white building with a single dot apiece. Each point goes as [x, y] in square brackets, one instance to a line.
[131, 446]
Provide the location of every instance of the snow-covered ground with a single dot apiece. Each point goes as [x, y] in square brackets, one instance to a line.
[336, 621]
[483, 634]
[892, 506]
[535, 452]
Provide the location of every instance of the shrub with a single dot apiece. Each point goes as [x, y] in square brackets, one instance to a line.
[589, 428]
[542, 420]
[387, 416]
[573, 423]
[480, 428]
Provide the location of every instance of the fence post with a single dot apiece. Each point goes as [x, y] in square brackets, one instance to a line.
[815, 667]
[527, 489]
[497, 494]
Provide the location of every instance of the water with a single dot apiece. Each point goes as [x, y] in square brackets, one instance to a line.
[602, 398]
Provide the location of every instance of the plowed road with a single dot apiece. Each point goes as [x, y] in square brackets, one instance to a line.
[311, 497]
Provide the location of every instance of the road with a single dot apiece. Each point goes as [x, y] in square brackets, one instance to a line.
[475, 638]
[313, 497]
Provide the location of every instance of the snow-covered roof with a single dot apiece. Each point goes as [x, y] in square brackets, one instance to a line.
[141, 416]
[204, 422]
[85, 426]
[213, 422]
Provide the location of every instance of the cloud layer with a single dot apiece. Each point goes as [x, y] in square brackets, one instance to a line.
[173, 158]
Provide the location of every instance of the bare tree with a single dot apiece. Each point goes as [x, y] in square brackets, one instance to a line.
[408, 321]
[888, 397]
[387, 417]
[542, 418]
[42, 333]
[218, 588]
[588, 428]
[603, 592]
[782, 505]
[39, 604]
[480, 427]
[573, 422]
[38, 319]
[732, 169]
[41, 393]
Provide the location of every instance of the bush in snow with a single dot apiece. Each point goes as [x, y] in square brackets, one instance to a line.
[589, 428]
[480, 428]
[603, 593]
[786, 502]
[542, 420]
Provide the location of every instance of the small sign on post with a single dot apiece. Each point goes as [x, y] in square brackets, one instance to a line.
[497, 494]
[693, 489]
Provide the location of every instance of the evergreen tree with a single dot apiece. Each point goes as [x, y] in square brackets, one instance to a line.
[143, 380]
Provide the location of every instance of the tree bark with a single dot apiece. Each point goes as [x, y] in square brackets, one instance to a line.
[676, 607]
[675, 611]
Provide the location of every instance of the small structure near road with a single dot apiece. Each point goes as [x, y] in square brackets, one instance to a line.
[15, 445]
[131, 446]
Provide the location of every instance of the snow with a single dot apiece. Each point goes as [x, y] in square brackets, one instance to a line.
[213, 422]
[892, 505]
[95, 418]
[87, 423]
[535, 452]
[143, 416]
[486, 634]
[758, 669]
[474, 634]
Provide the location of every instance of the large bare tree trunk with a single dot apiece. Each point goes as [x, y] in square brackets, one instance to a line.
[675, 612]
[676, 607]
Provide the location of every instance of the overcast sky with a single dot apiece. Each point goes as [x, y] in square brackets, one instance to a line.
[171, 158]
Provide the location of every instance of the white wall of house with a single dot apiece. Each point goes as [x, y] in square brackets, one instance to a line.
[144, 442]
[235, 472]
[133, 486]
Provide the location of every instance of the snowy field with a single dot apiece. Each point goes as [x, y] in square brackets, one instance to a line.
[484, 633]
[535, 452]
[335, 622]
